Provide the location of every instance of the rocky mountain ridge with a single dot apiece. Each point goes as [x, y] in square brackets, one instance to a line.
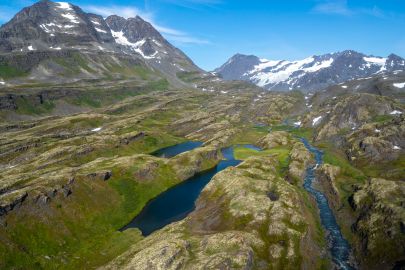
[313, 73]
[47, 28]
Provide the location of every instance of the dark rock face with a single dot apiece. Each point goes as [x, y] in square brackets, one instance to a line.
[147, 171]
[135, 34]
[105, 175]
[56, 29]
[379, 206]
[132, 137]
[237, 66]
[46, 25]
[7, 102]
[16, 201]
[134, 29]
[313, 73]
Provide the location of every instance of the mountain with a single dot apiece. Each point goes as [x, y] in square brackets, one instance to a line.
[312, 73]
[49, 30]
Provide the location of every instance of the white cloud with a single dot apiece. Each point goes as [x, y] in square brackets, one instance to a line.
[185, 39]
[341, 7]
[333, 7]
[194, 3]
[123, 11]
[171, 34]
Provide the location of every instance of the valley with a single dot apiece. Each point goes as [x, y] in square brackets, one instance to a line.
[118, 152]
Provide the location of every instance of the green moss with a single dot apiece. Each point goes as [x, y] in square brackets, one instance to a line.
[128, 70]
[337, 158]
[383, 118]
[158, 85]
[81, 232]
[88, 99]
[26, 106]
[281, 128]
[187, 76]
[8, 72]
[83, 63]
[249, 135]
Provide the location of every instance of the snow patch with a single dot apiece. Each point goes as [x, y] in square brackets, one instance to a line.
[320, 65]
[30, 48]
[46, 27]
[344, 86]
[377, 130]
[96, 129]
[64, 5]
[121, 39]
[281, 71]
[399, 85]
[265, 64]
[316, 120]
[394, 112]
[2, 83]
[375, 60]
[157, 43]
[100, 30]
[95, 22]
[396, 147]
[297, 124]
[72, 18]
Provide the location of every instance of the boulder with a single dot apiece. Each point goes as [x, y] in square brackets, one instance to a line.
[103, 175]
[274, 139]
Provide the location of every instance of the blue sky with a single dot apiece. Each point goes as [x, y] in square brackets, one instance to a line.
[211, 31]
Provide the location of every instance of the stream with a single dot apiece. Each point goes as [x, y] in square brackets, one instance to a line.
[339, 247]
[178, 201]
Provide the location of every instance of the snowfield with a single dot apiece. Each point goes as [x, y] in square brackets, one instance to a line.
[399, 85]
[316, 120]
[270, 71]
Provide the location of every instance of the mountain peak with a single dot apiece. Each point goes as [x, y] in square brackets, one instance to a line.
[312, 73]
[48, 26]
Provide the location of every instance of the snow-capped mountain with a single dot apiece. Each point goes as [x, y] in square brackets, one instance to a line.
[312, 73]
[48, 27]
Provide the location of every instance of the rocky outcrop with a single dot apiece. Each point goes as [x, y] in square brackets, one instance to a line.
[103, 175]
[378, 142]
[274, 139]
[380, 223]
[236, 225]
[7, 102]
[326, 175]
[217, 134]
[300, 158]
[189, 163]
[132, 136]
[147, 171]
[340, 116]
[10, 102]
[11, 200]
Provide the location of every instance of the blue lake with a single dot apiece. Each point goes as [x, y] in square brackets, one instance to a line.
[174, 150]
[177, 202]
